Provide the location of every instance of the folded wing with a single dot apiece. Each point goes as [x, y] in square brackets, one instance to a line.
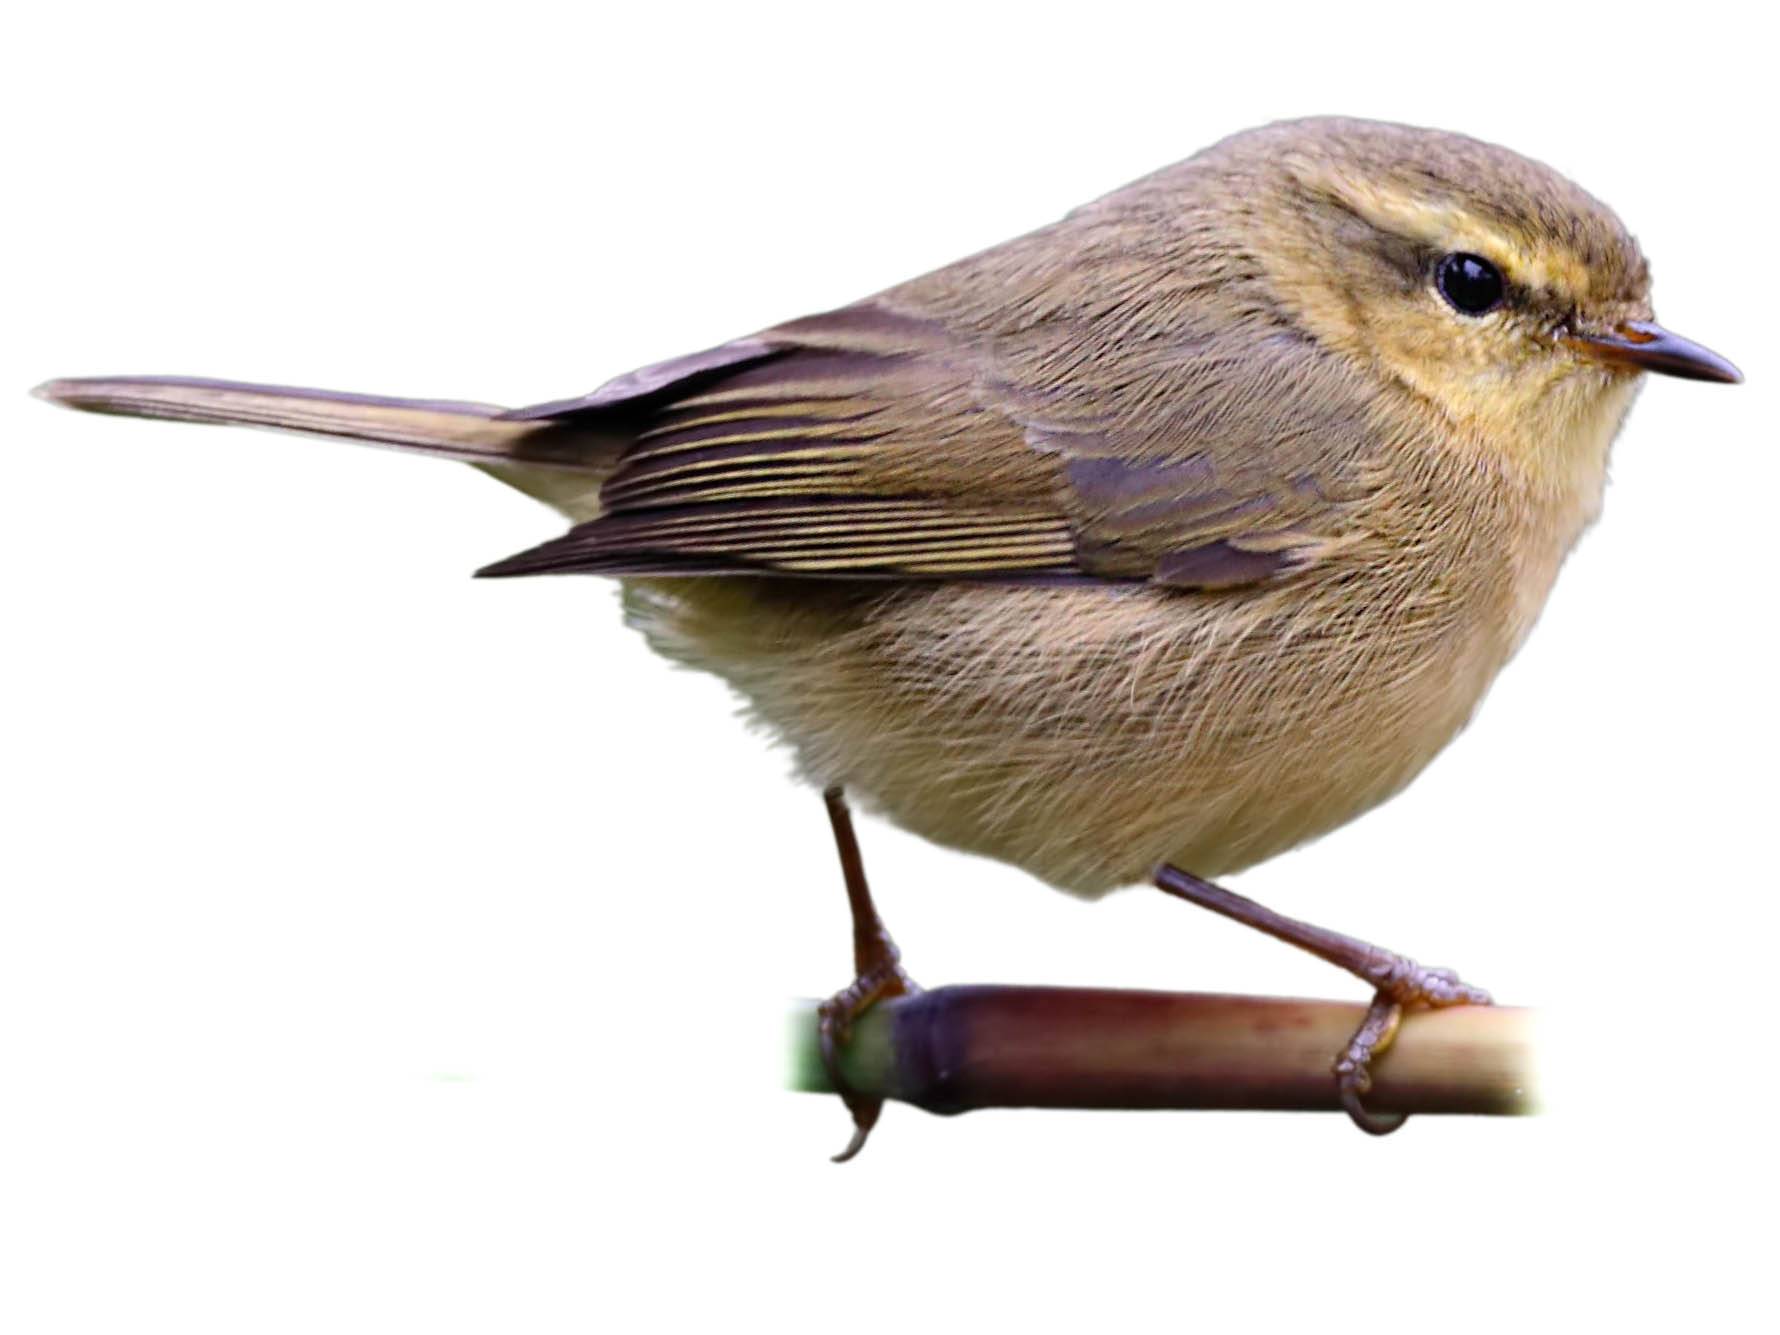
[878, 444]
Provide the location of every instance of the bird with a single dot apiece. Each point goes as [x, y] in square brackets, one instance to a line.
[1135, 550]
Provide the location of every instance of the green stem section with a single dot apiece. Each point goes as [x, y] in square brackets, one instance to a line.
[958, 1048]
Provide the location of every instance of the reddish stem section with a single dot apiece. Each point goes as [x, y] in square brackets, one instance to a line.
[958, 1048]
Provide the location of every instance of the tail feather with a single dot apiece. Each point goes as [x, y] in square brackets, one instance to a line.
[557, 452]
[474, 432]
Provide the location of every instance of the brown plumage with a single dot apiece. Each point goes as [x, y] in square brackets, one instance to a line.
[1184, 529]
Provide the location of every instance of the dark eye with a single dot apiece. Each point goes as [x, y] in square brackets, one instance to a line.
[1471, 283]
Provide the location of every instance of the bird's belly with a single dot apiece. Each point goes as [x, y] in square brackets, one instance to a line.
[1085, 734]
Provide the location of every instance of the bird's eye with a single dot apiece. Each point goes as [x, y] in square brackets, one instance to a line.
[1470, 283]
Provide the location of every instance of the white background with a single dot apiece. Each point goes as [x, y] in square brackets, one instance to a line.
[385, 951]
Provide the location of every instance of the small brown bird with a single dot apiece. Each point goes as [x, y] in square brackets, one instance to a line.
[1140, 548]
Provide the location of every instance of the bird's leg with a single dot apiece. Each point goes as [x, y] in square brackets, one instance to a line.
[1398, 984]
[878, 974]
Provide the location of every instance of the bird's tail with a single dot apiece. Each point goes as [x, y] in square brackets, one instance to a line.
[558, 461]
[473, 432]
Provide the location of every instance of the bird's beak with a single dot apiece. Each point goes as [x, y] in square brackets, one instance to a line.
[1646, 346]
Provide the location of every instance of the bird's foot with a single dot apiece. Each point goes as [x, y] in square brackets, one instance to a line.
[1401, 985]
[1398, 984]
[878, 975]
[835, 1019]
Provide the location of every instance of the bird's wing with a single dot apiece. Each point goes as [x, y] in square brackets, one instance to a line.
[879, 443]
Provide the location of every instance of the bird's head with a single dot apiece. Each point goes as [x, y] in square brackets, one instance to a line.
[1482, 281]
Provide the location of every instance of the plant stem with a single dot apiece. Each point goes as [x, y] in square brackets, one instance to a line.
[958, 1048]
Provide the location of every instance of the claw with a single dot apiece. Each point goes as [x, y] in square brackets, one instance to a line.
[834, 1029]
[1353, 1068]
[1373, 1124]
[861, 1131]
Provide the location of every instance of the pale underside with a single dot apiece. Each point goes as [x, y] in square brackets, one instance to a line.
[1085, 734]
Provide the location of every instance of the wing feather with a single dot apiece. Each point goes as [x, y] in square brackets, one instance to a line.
[824, 455]
[871, 443]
